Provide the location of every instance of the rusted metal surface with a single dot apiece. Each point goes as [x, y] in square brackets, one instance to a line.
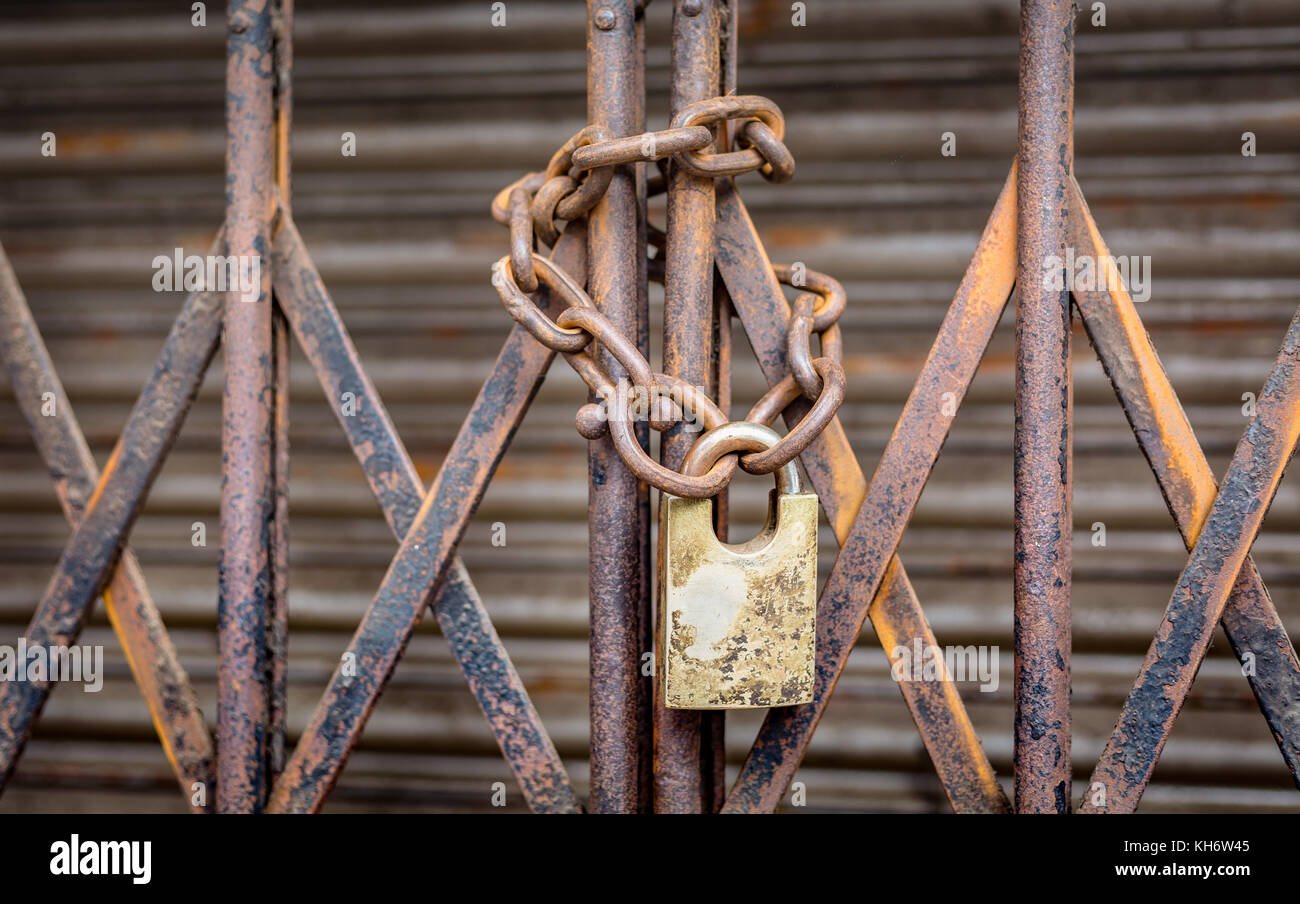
[615, 497]
[416, 572]
[392, 477]
[645, 695]
[282, 56]
[86, 565]
[765, 314]
[1044, 410]
[713, 748]
[688, 349]
[668, 401]
[277, 610]
[805, 432]
[163, 683]
[247, 496]
[1250, 619]
[869, 521]
[644, 395]
[1203, 588]
[761, 127]
[633, 148]
[600, 173]
[277, 615]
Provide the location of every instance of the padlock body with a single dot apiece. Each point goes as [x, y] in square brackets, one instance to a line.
[737, 624]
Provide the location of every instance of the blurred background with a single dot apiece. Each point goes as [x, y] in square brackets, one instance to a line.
[446, 109]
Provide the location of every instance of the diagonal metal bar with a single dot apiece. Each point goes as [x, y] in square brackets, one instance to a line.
[1202, 591]
[87, 562]
[392, 476]
[764, 312]
[869, 520]
[416, 572]
[1250, 620]
[149, 652]
[277, 612]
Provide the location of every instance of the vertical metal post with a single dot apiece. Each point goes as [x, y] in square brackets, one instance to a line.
[277, 626]
[713, 725]
[646, 696]
[688, 354]
[615, 513]
[247, 503]
[1044, 409]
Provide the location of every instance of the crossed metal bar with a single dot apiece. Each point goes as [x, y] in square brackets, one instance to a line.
[1251, 622]
[131, 610]
[89, 558]
[430, 527]
[1218, 584]
[86, 565]
[869, 519]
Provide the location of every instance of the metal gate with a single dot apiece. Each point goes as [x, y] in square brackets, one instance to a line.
[643, 756]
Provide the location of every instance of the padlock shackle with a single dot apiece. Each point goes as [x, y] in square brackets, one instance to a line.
[740, 436]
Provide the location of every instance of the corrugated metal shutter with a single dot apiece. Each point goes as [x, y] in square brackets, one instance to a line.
[446, 109]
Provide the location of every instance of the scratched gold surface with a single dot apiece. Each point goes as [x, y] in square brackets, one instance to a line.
[738, 622]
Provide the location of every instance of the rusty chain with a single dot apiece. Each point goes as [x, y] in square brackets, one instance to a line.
[577, 176]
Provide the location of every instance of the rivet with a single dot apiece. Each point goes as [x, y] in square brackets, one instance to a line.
[692, 7]
[605, 18]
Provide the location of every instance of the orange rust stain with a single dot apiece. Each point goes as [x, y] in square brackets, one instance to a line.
[1261, 201]
[109, 468]
[788, 235]
[95, 143]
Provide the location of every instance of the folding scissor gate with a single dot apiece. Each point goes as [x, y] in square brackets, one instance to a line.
[589, 207]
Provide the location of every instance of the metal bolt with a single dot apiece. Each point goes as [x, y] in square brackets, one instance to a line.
[692, 7]
[605, 18]
[591, 422]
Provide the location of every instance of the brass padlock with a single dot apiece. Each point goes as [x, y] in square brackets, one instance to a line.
[737, 623]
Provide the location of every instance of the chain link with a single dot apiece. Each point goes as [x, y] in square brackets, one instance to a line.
[763, 127]
[577, 176]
